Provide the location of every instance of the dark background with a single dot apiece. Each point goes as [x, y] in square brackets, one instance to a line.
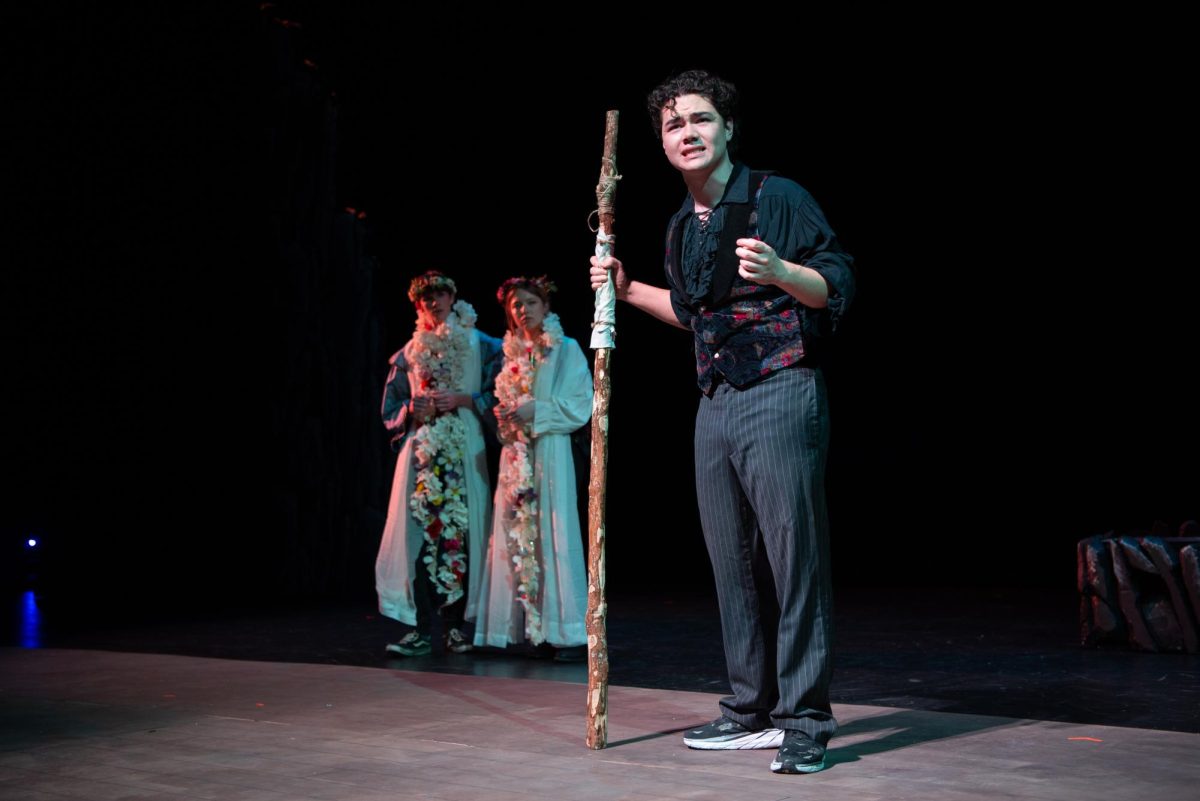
[195, 331]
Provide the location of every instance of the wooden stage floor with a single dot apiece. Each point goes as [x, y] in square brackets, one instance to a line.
[98, 725]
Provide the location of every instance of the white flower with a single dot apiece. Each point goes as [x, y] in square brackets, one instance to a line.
[438, 357]
[514, 387]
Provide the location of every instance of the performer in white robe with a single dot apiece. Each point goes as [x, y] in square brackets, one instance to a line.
[439, 389]
[534, 586]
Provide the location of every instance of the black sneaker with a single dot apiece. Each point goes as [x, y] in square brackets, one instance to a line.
[542, 650]
[724, 734]
[575, 653]
[412, 644]
[456, 642]
[799, 754]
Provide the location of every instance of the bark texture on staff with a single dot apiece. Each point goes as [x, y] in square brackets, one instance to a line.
[597, 733]
[602, 341]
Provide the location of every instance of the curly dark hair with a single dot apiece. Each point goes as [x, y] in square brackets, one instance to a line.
[721, 93]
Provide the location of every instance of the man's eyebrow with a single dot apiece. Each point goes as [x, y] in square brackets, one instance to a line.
[676, 118]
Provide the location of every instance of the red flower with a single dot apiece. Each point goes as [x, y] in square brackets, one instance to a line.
[451, 545]
[435, 528]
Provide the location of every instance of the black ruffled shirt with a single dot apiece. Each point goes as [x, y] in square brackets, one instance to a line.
[744, 331]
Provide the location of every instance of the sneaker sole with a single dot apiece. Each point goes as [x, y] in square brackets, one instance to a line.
[767, 738]
[777, 767]
[424, 652]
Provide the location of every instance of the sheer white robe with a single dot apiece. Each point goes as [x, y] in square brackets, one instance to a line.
[562, 392]
[403, 538]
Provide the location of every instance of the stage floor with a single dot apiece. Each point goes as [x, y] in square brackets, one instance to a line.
[98, 725]
[1007, 653]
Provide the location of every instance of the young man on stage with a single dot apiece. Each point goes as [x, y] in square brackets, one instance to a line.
[756, 273]
[440, 391]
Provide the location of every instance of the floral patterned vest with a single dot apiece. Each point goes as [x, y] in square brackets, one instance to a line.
[743, 330]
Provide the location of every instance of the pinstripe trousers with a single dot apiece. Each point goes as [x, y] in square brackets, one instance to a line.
[760, 484]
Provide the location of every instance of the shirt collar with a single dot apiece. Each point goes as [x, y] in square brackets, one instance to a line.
[737, 190]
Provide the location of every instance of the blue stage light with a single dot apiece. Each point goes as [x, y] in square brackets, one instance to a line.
[31, 542]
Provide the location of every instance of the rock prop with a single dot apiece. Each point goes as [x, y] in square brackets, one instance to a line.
[1141, 591]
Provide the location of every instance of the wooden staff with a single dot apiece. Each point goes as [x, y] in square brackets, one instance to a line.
[603, 335]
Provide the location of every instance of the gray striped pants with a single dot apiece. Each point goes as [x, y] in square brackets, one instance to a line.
[760, 483]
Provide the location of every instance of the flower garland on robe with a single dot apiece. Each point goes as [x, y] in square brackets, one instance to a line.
[519, 516]
[438, 353]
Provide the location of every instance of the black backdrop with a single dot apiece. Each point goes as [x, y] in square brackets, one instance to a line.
[195, 330]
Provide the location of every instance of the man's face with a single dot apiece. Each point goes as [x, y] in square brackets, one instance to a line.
[694, 136]
[435, 306]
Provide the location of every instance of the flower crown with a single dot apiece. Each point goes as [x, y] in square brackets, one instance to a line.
[430, 281]
[541, 286]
